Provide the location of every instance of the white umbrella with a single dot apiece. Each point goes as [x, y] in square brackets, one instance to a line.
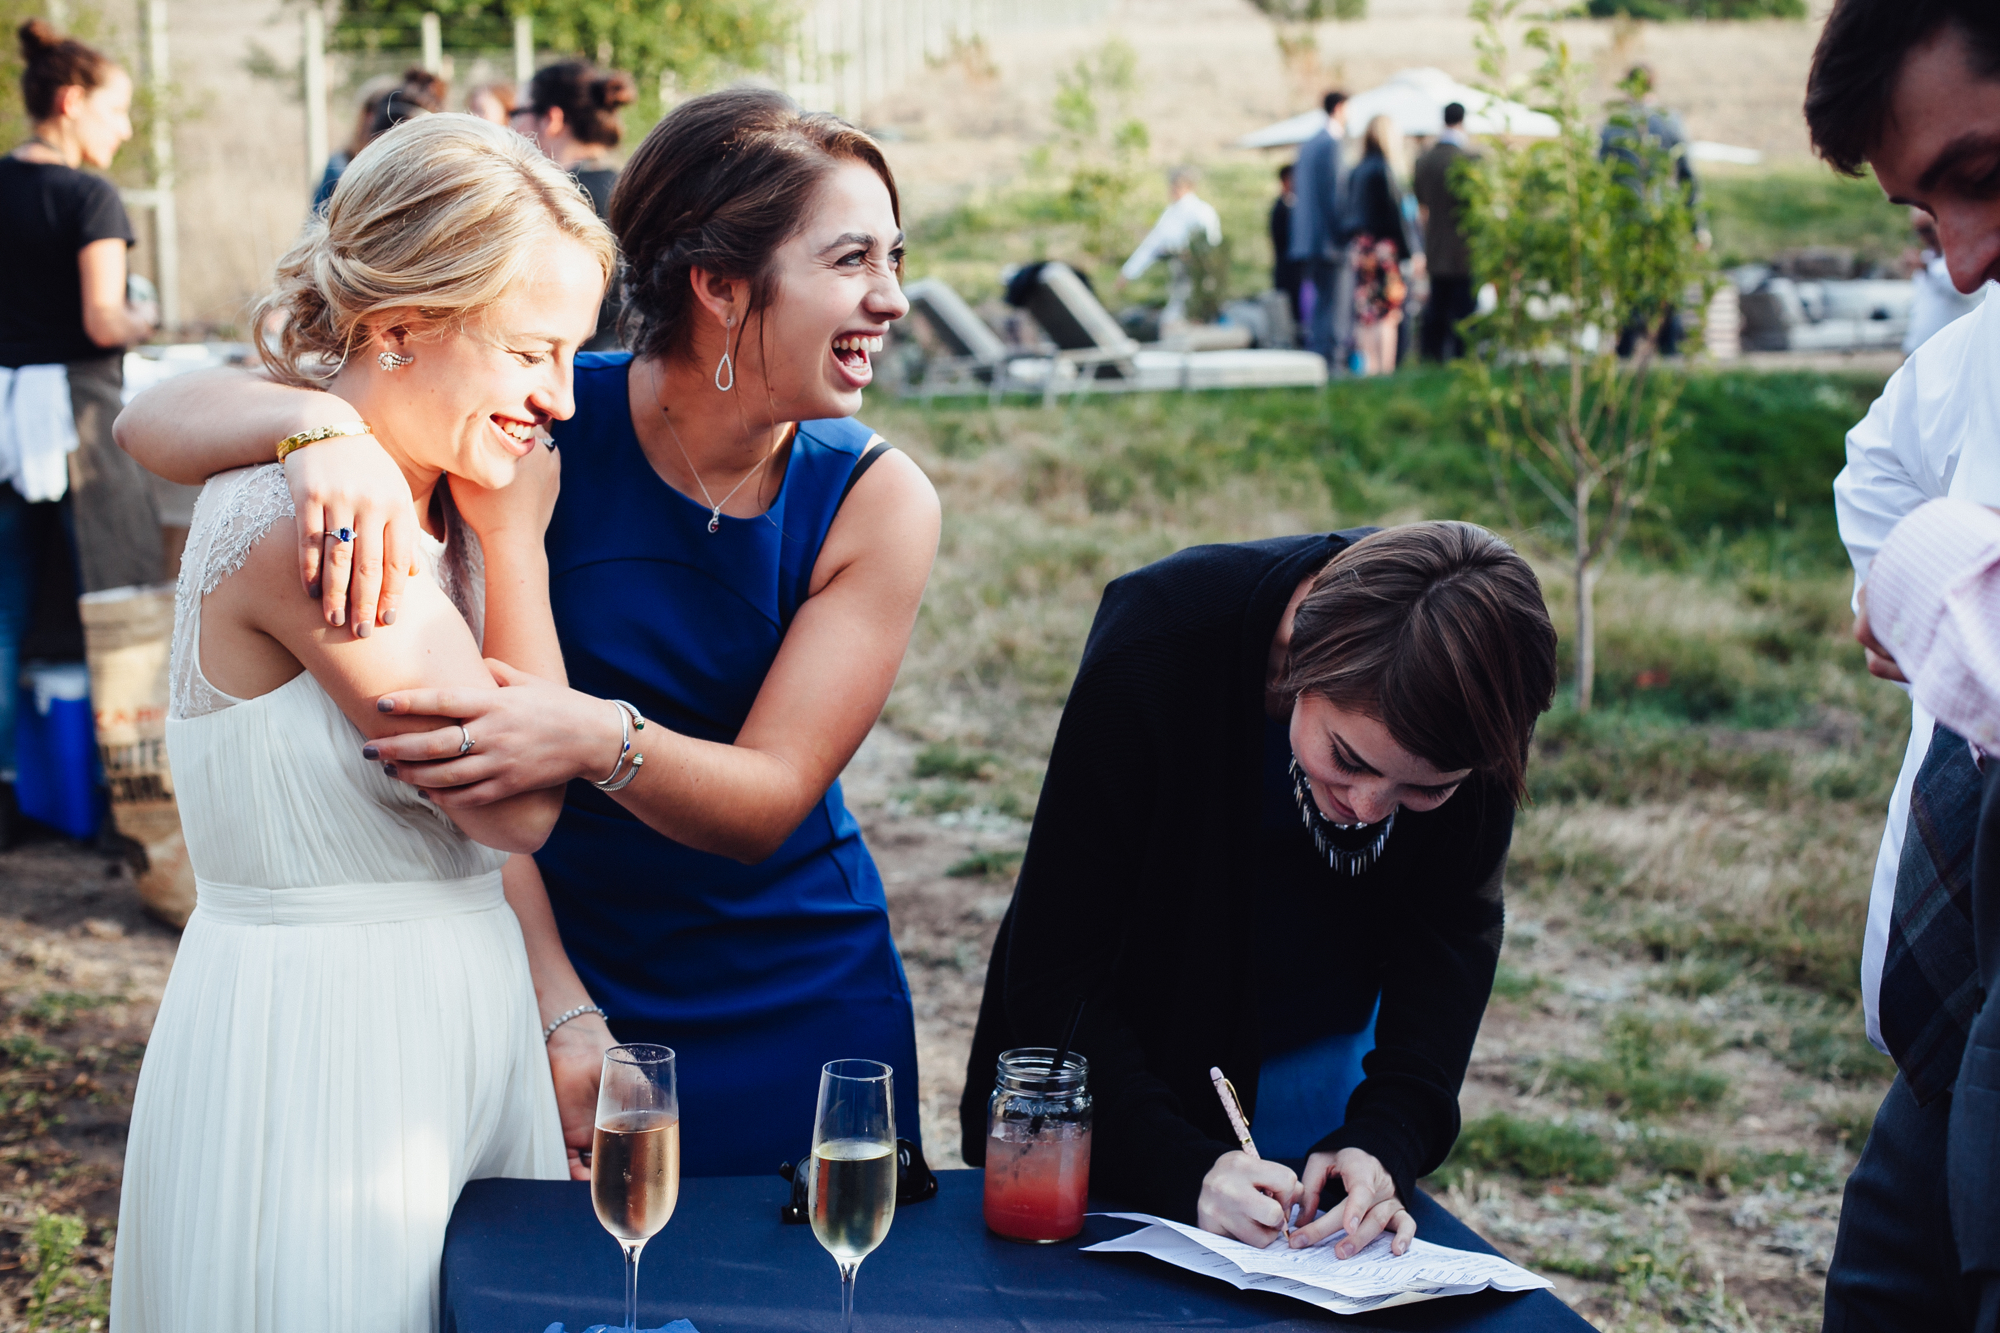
[1415, 99]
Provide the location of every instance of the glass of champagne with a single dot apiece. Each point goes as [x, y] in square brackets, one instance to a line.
[852, 1190]
[635, 1155]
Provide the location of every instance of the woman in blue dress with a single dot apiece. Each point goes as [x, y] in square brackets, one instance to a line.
[735, 567]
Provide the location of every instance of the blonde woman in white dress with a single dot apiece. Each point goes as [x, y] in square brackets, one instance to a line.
[351, 1031]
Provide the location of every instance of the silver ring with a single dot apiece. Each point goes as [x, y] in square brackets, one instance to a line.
[465, 745]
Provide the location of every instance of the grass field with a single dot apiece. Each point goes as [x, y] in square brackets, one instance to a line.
[1672, 1079]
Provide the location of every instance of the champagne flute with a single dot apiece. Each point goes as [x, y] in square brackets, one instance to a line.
[852, 1190]
[635, 1154]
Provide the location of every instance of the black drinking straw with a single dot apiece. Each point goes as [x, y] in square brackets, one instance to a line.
[1060, 1058]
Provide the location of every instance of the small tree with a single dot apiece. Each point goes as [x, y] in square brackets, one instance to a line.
[1578, 248]
[1101, 145]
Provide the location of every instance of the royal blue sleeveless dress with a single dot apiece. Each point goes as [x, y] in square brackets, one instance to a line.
[756, 975]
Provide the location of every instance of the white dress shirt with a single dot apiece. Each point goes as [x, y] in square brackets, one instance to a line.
[1935, 301]
[1172, 233]
[1935, 431]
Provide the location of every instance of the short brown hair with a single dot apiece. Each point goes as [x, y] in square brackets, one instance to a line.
[51, 62]
[720, 184]
[1860, 51]
[1440, 631]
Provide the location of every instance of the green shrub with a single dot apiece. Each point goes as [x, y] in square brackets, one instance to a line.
[1532, 1150]
[986, 865]
[1756, 217]
[1652, 1068]
[1512, 984]
[55, 1010]
[1667, 11]
[946, 760]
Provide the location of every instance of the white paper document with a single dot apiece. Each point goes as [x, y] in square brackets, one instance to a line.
[1372, 1280]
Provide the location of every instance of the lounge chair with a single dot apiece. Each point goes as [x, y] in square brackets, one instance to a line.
[977, 355]
[1096, 355]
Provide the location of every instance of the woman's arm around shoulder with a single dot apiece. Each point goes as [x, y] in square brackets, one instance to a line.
[254, 627]
[193, 426]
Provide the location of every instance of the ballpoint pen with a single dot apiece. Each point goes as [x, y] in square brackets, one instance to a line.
[1234, 1110]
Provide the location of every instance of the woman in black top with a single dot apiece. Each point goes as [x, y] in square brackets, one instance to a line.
[1383, 242]
[62, 303]
[575, 112]
[1190, 875]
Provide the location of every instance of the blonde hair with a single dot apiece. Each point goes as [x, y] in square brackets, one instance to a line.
[1382, 136]
[439, 217]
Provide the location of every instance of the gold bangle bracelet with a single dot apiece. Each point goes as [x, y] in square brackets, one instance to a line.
[291, 443]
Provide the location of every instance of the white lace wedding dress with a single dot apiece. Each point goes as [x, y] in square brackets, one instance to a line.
[349, 1033]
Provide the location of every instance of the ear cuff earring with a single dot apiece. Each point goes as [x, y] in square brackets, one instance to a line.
[392, 361]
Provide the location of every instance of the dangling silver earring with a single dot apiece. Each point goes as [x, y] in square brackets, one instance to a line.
[726, 363]
[391, 361]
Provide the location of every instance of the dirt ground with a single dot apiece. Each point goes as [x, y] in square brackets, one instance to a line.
[82, 969]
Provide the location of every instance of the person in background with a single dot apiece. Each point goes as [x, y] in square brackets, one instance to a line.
[1309, 747]
[1186, 216]
[64, 324]
[492, 101]
[1912, 90]
[1380, 246]
[1445, 253]
[1641, 124]
[1288, 275]
[1319, 235]
[1934, 301]
[421, 93]
[575, 112]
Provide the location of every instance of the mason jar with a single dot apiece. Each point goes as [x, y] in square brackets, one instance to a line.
[1038, 1146]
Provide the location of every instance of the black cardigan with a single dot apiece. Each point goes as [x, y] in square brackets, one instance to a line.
[1138, 887]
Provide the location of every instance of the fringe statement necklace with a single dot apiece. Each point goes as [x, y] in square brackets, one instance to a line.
[1349, 849]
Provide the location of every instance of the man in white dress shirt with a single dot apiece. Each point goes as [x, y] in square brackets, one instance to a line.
[1911, 88]
[1186, 215]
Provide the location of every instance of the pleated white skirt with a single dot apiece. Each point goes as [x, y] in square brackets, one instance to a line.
[329, 1067]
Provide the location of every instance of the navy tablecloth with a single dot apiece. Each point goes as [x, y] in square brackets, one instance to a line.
[521, 1254]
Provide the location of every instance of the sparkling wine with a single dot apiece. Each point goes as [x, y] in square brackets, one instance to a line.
[1036, 1186]
[853, 1195]
[635, 1172]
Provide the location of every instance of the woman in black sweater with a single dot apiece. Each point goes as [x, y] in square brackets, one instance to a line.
[1283, 786]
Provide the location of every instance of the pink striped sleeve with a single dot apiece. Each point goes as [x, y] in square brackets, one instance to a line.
[1934, 602]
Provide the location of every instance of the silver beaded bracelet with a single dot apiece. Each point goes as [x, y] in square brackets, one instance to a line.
[577, 1012]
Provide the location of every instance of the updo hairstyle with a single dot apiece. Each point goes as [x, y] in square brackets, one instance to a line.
[1439, 631]
[720, 184]
[421, 93]
[434, 220]
[51, 62]
[590, 99]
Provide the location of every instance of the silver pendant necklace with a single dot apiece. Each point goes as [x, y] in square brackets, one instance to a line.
[1348, 848]
[714, 505]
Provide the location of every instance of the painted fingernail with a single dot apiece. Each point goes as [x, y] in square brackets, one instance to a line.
[390, 769]
[385, 706]
[312, 590]
[370, 752]
[362, 629]
[421, 792]
[339, 618]
[389, 616]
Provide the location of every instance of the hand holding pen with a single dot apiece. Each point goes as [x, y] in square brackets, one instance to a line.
[1238, 1194]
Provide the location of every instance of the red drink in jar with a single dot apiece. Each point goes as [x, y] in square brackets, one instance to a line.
[1038, 1146]
[1035, 1188]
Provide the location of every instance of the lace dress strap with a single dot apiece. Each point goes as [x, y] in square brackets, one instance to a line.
[232, 515]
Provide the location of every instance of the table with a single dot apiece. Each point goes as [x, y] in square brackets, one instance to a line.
[521, 1254]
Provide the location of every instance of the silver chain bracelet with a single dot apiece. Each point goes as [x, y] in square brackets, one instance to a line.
[577, 1012]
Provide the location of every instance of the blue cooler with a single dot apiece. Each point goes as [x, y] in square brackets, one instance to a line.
[56, 748]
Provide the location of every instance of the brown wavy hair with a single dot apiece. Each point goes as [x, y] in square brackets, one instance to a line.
[1439, 631]
[722, 182]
